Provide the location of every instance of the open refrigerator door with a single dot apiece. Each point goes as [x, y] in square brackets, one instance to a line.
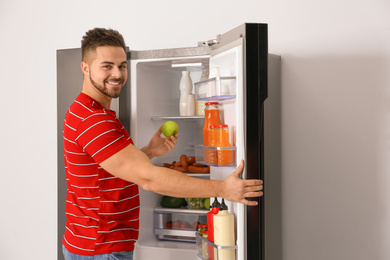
[154, 95]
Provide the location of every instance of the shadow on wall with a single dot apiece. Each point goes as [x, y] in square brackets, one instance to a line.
[273, 165]
[334, 123]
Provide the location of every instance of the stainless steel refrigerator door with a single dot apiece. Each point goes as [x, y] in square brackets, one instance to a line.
[69, 85]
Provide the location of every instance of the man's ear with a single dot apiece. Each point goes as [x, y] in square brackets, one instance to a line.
[84, 68]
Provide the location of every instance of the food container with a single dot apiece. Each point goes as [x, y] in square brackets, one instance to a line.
[178, 224]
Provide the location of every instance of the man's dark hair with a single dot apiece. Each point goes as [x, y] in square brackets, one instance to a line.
[98, 37]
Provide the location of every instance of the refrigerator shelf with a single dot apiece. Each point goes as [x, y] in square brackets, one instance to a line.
[216, 89]
[180, 210]
[216, 156]
[190, 118]
[206, 247]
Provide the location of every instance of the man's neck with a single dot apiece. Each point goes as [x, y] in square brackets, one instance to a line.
[99, 97]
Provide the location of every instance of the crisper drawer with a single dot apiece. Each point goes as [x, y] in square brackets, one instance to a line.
[178, 224]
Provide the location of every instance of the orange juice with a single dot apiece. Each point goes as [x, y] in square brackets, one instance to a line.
[211, 117]
[221, 136]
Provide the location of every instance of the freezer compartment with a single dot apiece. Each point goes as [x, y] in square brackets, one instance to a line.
[218, 88]
[216, 156]
[208, 250]
[178, 224]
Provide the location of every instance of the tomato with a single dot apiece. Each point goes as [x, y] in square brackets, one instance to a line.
[185, 225]
[176, 224]
[168, 224]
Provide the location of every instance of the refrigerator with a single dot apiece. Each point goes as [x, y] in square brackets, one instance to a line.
[248, 74]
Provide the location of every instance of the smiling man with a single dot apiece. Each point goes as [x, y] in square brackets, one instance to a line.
[104, 169]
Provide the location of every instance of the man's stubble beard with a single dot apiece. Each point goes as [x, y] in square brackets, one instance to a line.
[104, 90]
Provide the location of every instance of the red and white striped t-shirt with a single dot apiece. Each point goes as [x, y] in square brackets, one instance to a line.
[102, 210]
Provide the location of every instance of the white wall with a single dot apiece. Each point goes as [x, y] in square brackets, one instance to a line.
[335, 111]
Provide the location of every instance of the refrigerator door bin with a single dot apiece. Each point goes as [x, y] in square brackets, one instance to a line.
[178, 224]
[206, 247]
[216, 156]
[218, 88]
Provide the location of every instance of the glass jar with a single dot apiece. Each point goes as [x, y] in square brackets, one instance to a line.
[221, 139]
[201, 228]
[211, 117]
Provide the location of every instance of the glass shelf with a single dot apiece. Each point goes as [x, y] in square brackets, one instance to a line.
[177, 118]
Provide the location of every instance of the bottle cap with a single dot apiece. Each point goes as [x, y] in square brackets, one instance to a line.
[223, 206]
[216, 203]
[211, 103]
[218, 126]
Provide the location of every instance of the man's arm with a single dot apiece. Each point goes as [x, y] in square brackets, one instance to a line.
[133, 165]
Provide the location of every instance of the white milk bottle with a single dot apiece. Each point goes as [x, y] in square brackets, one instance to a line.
[200, 104]
[224, 233]
[185, 90]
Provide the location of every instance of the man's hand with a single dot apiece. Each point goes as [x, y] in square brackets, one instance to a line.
[159, 146]
[237, 190]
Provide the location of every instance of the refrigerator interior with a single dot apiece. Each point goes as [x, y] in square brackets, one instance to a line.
[154, 98]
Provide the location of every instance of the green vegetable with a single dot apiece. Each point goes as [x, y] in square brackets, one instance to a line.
[196, 203]
[172, 202]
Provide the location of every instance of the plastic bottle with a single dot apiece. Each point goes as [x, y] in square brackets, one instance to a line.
[185, 89]
[210, 222]
[191, 105]
[224, 233]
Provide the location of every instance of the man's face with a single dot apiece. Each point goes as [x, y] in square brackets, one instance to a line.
[108, 70]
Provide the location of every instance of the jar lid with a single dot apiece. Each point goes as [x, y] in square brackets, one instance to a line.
[211, 103]
[203, 226]
[218, 126]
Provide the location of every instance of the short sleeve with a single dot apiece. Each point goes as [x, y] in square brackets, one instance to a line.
[101, 136]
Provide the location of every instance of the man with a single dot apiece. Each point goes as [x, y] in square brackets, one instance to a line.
[104, 168]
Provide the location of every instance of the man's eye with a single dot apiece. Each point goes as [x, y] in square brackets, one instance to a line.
[123, 66]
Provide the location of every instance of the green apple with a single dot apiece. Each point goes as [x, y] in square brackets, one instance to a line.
[170, 128]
